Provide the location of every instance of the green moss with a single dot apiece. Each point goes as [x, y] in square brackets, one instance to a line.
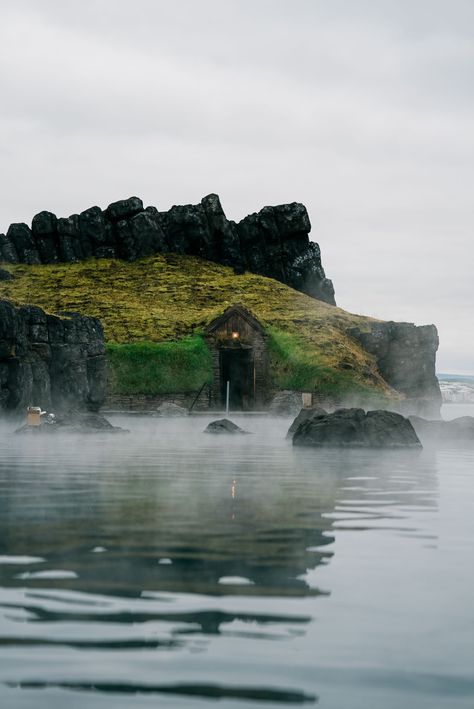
[296, 367]
[166, 298]
[159, 368]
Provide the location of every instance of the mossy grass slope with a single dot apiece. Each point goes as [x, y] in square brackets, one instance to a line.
[163, 304]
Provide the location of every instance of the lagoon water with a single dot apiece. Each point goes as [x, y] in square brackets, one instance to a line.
[174, 569]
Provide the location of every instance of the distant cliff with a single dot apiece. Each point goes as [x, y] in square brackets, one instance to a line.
[406, 358]
[273, 242]
[56, 363]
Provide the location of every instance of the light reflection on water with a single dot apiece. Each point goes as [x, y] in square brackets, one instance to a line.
[181, 568]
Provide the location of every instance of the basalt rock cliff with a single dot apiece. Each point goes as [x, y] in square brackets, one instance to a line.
[273, 242]
[406, 358]
[56, 363]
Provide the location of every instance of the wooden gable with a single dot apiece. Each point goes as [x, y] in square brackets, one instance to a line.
[231, 318]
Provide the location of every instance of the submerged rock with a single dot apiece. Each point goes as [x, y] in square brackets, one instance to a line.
[354, 428]
[224, 426]
[305, 415]
[167, 408]
[457, 430]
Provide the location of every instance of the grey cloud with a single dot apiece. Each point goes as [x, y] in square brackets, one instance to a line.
[362, 110]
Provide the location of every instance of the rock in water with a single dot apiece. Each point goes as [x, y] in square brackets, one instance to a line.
[286, 403]
[354, 428]
[305, 415]
[224, 426]
[73, 422]
[460, 430]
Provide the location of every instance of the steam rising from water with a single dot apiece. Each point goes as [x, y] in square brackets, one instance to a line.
[236, 567]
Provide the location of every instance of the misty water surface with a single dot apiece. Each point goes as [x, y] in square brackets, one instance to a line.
[171, 568]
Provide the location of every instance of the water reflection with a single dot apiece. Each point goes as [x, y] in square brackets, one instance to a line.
[163, 540]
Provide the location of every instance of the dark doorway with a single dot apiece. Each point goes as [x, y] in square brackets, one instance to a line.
[236, 367]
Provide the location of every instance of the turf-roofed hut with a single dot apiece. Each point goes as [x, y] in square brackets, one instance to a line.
[238, 346]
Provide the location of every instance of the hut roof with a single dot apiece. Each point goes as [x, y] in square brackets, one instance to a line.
[232, 311]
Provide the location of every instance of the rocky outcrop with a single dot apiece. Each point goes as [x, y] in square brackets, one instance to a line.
[406, 358]
[354, 428]
[55, 363]
[304, 415]
[273, 242]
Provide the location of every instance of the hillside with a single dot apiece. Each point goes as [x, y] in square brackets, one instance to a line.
[154, 310]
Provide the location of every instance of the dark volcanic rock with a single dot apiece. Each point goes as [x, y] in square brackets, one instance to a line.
[459, 430]
[55, 363]
[225, 237]
[73, 422]
[5, 275]
[8, 252]
[140, 236]
[123, 209]
[406, 358]
[187, 230]
[285, 403]
[45, 232]
[273, 242]
[69, 239]
[224, 426]
[21, 237]
[95, 231]
[353, 428]
[304, 415]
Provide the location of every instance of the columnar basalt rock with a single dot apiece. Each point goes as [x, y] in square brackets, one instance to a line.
[55, 363]
[273, 242]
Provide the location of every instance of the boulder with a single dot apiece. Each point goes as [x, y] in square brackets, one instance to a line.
[123, 209]
[5, 275]
[140, 236]
[45, 232]
[354, 428]
[456, 431]
[21, 237]
[8, 252]
[95, 231]
[285, 403]
[224, 426]
[168, 409]
[187, 230]
[304, 415]
[69, 239]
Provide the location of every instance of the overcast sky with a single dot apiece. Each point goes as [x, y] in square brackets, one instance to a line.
[360, 109]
